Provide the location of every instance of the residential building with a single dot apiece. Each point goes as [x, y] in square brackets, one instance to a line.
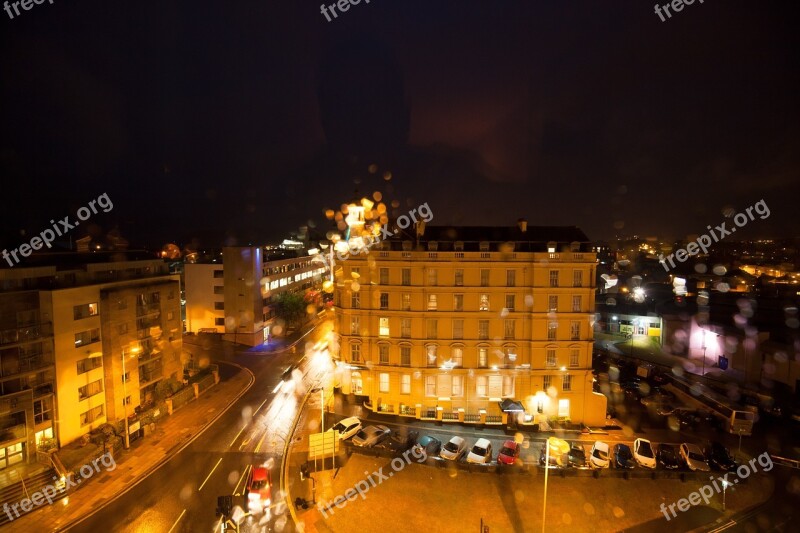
[66, 323]
[236, 295]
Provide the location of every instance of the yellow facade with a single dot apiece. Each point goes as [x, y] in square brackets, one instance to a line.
[426, 331]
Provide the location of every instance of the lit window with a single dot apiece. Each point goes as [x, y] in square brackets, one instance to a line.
[508, 386]
[458, 356]
[432, 302]
[458, 385]
[406, 301]
[355, 353]
[484, 302]
[405, 384]
[483, 357]
[430, 385]
[355, 325]
[384, 327]
[384, 382]
[552, 303]
[481, 384]
[576, 304]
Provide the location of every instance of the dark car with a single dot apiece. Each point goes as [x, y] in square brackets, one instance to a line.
[432, 446]
[398, 441]
[719, 458]
[623, 457]
[577, 455]
[668, 457]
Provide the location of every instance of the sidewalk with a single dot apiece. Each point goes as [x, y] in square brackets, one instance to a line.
[145, 456]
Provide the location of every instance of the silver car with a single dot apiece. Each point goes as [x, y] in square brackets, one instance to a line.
[371, 435]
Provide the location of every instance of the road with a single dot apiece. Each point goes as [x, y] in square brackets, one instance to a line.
[181, 496]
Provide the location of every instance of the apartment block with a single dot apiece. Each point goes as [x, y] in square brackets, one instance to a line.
[67, 323]
[235, 296]
[449, 322]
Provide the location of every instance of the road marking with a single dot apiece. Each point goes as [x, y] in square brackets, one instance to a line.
[258, 447]
[176, 521]
[237, 436]
[209, 475]
[244, 474]
[262, 405]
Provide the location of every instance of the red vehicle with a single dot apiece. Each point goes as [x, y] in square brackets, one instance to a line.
[509, 453]
[259, 489]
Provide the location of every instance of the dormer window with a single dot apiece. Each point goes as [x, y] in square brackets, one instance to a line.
[458, 246]
[484, 246]
[433, 246]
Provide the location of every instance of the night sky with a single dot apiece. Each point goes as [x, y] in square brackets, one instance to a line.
[236, 122]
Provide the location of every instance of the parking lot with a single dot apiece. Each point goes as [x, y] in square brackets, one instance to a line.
[449, 499]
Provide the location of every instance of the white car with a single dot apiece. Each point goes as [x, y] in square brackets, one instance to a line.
[599, 456]
[694, 457]
[643, 453]
[454, 449]
[347, 428]
[481, 452]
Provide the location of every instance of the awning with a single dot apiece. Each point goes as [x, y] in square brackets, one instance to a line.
[511, 406]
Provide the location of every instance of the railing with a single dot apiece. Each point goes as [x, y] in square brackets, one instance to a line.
[408, 410]
[472, 418]
[147, 309]
[384, 408]
[494, 419]
[25, 333]
[13, 432]
[450, 416]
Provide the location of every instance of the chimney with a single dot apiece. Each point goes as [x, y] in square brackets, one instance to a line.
[523, 225]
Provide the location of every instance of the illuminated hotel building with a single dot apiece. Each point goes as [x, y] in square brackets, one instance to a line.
[448, 322]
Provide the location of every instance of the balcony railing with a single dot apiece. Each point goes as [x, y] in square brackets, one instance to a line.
[147, 309]
[12, 433]
[25, 333]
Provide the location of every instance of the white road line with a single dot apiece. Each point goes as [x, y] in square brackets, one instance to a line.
[209, 475]
[176, 521]
[237, 436]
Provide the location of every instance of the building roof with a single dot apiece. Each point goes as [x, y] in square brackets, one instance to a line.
[533, 239]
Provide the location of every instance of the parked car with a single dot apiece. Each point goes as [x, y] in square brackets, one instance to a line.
[371, 435]
[719, 457]
[643, 453]
[346, 428]
[454, 449]
[559, 450]
[432, 446]
[623, 457]
[669, 457]
[577, 455]
[259, 489]
[399, 441]
[509, 453]
[693, 457]
[599, 456]
[481, 452]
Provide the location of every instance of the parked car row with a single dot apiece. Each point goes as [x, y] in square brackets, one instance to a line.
[561, 454]
[643, 454]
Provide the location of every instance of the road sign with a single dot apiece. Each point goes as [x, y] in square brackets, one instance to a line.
[322, 444]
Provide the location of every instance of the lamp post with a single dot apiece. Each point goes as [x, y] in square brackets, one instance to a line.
[725, 484]
[546, 471]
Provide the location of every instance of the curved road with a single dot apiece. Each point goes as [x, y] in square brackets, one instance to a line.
[181, 496]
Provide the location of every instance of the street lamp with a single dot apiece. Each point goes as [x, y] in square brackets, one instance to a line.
[134, 350]
[546, 471]
[725, 484]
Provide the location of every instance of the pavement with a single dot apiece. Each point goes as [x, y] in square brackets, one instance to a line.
[144, 456]
[504, 502]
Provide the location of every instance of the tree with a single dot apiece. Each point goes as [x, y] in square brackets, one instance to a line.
[290, 308]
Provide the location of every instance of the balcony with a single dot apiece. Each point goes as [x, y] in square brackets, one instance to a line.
[25, 334]
[12, 433]
[147, 309]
